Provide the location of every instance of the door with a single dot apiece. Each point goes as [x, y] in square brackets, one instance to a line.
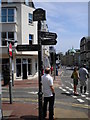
[24, 66]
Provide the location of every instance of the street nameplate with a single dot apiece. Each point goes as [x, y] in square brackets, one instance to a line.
[27, 47]
[39, 14]
[49, 35]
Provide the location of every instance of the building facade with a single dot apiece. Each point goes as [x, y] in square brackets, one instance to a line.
[16, 23]
[71, 58]
[85, 51]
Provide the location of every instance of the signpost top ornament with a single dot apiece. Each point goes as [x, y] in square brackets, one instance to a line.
[39, 14]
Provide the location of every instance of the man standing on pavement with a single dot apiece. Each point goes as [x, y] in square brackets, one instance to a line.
[84, 75]
[49, 94]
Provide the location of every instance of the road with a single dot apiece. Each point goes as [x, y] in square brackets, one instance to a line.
[65, 101]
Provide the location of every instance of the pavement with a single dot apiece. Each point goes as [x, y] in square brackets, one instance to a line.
[29, 111]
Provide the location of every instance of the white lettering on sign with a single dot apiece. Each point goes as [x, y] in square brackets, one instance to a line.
[10, 49]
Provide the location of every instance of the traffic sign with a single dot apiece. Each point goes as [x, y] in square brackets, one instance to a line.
[28, 47]
[10, 50]
[39, 14]
[49, 35]
[48, 42]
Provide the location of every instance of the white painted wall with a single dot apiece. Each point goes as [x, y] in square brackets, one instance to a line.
[26, 27]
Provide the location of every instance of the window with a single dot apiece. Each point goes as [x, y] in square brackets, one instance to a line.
[4, 36]
[30, 39]
[7, 15]
[30, 17]
[10, 15]
[4, 15]
[7, 35]
[18, 67]
[11, 36]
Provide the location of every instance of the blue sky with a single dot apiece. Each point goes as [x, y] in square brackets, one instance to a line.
[69, 20]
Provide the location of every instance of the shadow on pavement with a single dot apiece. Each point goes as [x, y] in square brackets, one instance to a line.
[72, 119]
[29, 117]
[70, 94]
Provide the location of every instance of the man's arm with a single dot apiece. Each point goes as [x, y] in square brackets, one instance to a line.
[52, 89]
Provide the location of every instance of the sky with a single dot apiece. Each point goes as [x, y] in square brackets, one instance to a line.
[69, 20]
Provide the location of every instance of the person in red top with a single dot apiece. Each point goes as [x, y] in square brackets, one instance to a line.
[51, 69]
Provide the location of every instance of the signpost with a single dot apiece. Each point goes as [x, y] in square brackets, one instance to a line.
[0, 98]
[44, 38]
[10, 82]
[39, 14]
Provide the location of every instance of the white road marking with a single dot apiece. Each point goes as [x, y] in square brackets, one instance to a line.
[67, 92]
[33, 93]
[67, 87]
[74, 96]
[87, 98]
[80, 100]
[83, 95]
[70, 89]
[60, 88]
[64, 90]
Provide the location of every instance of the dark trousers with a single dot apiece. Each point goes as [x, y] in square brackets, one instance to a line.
[81, 88]
[49, 100]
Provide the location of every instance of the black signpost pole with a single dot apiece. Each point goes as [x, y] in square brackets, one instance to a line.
[40, 73]
[10, 82]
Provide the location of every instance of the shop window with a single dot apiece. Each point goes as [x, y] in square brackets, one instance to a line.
[18, 67]
[29, 67]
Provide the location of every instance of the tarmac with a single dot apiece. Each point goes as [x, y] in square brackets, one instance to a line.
[29, 111]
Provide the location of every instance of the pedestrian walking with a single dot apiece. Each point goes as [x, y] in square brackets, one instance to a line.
[56, 70]
[49, 94]
[83, 77]
[51, 69]
[75, 78]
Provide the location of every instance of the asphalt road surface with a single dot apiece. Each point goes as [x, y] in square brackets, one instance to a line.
[64, 97]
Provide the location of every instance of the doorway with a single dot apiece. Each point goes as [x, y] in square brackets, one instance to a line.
[24, 67]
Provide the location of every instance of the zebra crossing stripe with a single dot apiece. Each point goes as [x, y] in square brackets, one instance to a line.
[70, 89]
[74, 96]
[87, 98]
[60, 88]
[83, 95]
[64, 90]
[80, 100]
[67, 87]
[67, 92]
